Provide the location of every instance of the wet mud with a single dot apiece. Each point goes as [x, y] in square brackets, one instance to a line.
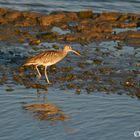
[108, 42]
[83, 27]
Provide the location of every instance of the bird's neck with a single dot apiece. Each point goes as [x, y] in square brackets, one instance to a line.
[65, 53]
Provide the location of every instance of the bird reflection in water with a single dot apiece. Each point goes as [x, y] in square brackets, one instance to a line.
[44, 96]
[45, 110]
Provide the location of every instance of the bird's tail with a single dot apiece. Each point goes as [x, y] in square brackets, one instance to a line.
[26, 64]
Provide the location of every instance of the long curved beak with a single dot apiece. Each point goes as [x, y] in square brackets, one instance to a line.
[76, 52]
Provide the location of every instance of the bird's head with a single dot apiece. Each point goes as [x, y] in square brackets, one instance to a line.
[68, 48]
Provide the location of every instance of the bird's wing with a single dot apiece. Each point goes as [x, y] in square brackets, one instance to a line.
[49, 56]
[43, 57]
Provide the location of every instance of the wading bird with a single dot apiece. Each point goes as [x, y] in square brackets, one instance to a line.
[48, 58]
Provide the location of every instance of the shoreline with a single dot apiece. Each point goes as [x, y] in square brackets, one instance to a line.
[78, 27]
[111, 67]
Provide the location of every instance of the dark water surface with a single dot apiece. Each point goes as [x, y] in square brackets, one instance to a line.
[91, 117]
[73, 5]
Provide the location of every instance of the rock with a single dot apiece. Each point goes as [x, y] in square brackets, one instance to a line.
[90, 26]
[125, 25]
[13, 16]
[70, 37]
[85, 26]
[3, 11]
[30, 15]
[123, 17]
[133, 17]
[127, 35]
[134, 42]
[85, 14]
[46, 36]
[102, 27]
[50, 19]
[3, 21]
[109, 16]
[133, 34]
[71, 16]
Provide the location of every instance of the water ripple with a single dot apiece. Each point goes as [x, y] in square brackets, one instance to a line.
[70, 5]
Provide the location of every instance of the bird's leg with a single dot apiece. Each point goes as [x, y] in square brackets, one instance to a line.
[39, 75]
[46, 75]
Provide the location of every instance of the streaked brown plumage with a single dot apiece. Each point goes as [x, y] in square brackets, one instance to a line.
[48, 58]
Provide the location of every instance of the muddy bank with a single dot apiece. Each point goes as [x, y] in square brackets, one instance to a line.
[83, 27]
[108, 67]
[109, 44]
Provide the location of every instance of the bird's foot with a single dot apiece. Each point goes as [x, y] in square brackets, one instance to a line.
[49, 83]
[38, 76]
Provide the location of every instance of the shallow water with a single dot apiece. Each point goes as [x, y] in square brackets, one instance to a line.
[73, 5]
[96, 116]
